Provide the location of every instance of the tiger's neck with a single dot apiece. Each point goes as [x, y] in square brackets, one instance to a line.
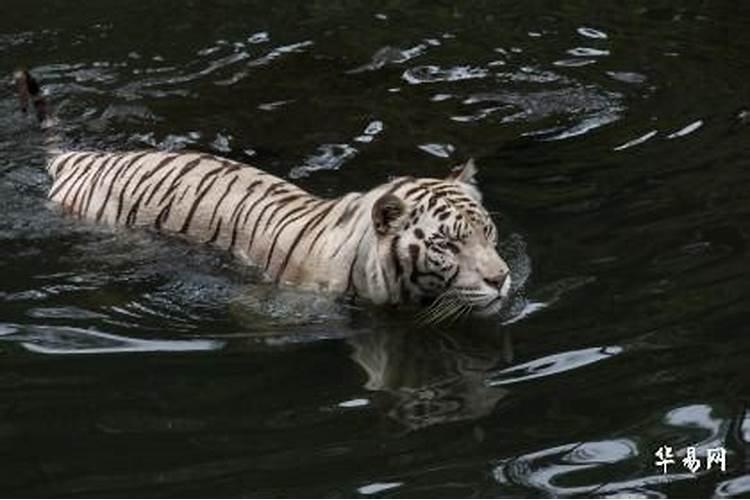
[344, 255]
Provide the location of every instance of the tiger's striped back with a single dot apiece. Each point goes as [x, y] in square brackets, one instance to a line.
[200, 196]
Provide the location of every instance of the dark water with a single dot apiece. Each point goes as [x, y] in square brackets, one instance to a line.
[612, 137]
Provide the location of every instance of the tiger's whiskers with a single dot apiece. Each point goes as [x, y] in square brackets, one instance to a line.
[447, 307]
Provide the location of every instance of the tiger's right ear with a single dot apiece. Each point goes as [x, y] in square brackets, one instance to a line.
[465, 173]
[387, 214]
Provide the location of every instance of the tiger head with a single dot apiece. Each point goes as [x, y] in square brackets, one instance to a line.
[438, 244]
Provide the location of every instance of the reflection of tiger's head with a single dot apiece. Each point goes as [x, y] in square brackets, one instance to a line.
[438, 244]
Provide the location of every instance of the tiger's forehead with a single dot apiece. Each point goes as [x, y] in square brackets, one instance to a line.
[444, 200]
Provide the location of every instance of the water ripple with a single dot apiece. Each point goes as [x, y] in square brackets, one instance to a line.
[432, 74]
[637, 141]
[552, 365]
[687, 129]
[66, 340]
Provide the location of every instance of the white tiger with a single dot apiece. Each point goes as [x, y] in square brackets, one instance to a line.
[410, 240]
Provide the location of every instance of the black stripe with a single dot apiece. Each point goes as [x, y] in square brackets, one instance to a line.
[398, 269]
[123, 157]
[62, 163]
[265, 195]
[123, 191]
[286, 224]
[421, 195]
[350, 280]
[281, 204]
[398, 184]
[221, 200]
[59, 185]
[215, 236]
[297, 239]
[119, 170]
[344, 241]
[414, 252]
[447, 190]
[453, 277]
[185, 191]
[81, 175]
[305, 205]
[237, 211]
[351, 208]
[317, 237]
[183, 172]
[394, 256]
[322, 229]
[95, 180]
[258, 200]
[132, 216]
[91, 170]
[230, 167]
[163, 214]
[163, 163]
[439, 210]
[413, 190]
[195, 204]
[206, 176]
[155, 188]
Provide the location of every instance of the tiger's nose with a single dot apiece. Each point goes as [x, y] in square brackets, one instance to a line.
[497, 281]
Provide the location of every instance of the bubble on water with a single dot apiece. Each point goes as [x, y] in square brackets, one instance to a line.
[440, 97]
[354, 403]
[373, 488]
[627, 76]
[271, 106]
[260, 37]
[591, 33]
[373, 128]
[328, 157]
[439, 150]
[390, 55]
[574, 63]
[208, 51]
[587, 52]
[687, 129]
[638, 140]
[221, 143]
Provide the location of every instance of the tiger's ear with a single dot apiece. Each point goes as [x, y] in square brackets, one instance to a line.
[465, 173]
[387, 214]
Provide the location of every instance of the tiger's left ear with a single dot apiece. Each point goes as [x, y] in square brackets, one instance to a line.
[387, 214]
[465, 173]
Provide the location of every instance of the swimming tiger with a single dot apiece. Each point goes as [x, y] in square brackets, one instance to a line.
[410, 240]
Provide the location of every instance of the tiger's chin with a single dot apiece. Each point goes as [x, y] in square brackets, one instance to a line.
[492, 308]
[494, 304]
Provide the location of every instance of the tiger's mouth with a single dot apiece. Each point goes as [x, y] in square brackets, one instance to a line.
[459, 302]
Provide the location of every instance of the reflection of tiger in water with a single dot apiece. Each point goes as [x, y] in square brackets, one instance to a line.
[425, 380]
[409, 240]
